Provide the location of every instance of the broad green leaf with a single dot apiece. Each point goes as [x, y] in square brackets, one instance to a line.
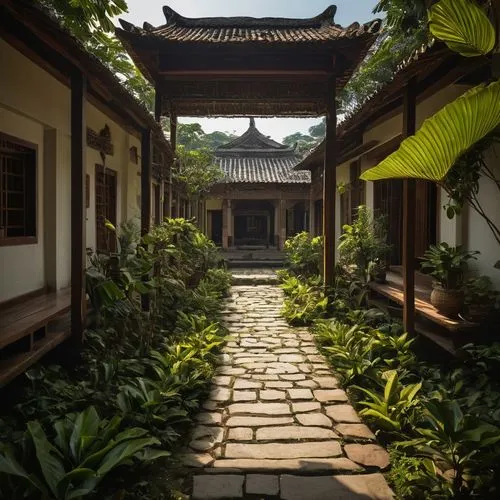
[9, 465]
[477, 433]
[443, 138]
[84, 480]
[382, 421]
[122, 452]
[48, 457]
[410, 391]
[94, 460]
[463, 26]
[85, 431]
[391, 386]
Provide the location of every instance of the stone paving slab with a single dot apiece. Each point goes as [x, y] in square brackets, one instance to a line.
[276, 423]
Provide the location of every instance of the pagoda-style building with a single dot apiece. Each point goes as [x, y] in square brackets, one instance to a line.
[261, 200]
[243, 66]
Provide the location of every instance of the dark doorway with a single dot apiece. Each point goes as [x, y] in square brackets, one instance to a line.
[389, 202]
[216, 218]
[251, 229]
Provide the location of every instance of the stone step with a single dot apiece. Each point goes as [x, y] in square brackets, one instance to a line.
[254, 263]
[291, 487]
[312, 449]
[254, 279]
[300, 465]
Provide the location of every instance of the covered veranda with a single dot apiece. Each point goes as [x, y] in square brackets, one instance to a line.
[253, 67]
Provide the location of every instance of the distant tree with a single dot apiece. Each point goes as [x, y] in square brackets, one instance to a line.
[301, 142]
[292, 139]
[196, 171]
[216, 139]
[91, 22]
[318, 131]
[192, 136]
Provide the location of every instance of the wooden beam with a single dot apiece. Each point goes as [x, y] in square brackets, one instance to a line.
[146, 178]
[173, 143]
[329, 187]
[78, 171]
[409, 211]
[173, 132]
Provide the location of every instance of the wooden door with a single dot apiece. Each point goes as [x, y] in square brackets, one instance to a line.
[105, 208]
[216, 216]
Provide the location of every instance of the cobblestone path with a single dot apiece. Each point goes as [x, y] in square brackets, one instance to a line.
[276, 424]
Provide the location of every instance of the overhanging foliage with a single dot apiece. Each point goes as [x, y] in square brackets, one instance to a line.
[463, 26]
[444, 137]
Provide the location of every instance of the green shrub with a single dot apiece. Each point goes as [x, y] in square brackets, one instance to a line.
[363, 244]
[73, 459]
[416, 478]
[304, 255]
[144, 371]
[304, 301]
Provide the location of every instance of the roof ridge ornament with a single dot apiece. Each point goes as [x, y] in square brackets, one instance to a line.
[171, 16]
[252, 122]
[325, 18]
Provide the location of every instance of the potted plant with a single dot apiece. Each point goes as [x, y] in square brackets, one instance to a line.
[447, 265]
[480, 298]
[378, 271]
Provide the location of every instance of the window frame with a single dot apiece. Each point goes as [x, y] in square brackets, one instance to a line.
[7, 241]
[105, 171]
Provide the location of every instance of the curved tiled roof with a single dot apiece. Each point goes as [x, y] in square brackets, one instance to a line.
[249, 29]
[255, 158]
[263, 170]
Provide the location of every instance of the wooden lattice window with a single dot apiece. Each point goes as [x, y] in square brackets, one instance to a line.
[105, 208]
[18, 196]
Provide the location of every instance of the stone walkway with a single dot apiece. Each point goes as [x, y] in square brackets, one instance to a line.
[276, 424]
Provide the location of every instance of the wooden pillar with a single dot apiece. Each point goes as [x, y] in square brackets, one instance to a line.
[409, 209]
[78, 171]
[311, 217]
[146, 177]
[329, 187]
[282, 226]
[173, 143]
[225, 224]
[146, 181]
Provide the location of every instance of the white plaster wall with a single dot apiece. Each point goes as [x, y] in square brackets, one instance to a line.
[476, 233]
[35, 106]
[385, 130]
[32, 102]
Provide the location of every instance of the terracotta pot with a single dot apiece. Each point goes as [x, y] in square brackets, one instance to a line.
[447, 301]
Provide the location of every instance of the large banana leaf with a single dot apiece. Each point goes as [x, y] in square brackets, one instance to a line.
[463, 26]
[443, 138]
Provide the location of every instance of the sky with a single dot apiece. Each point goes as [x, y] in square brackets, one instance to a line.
[348, 11]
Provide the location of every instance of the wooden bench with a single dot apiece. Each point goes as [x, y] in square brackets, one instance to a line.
[31, 328]
[393, 290]
[432, 324]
